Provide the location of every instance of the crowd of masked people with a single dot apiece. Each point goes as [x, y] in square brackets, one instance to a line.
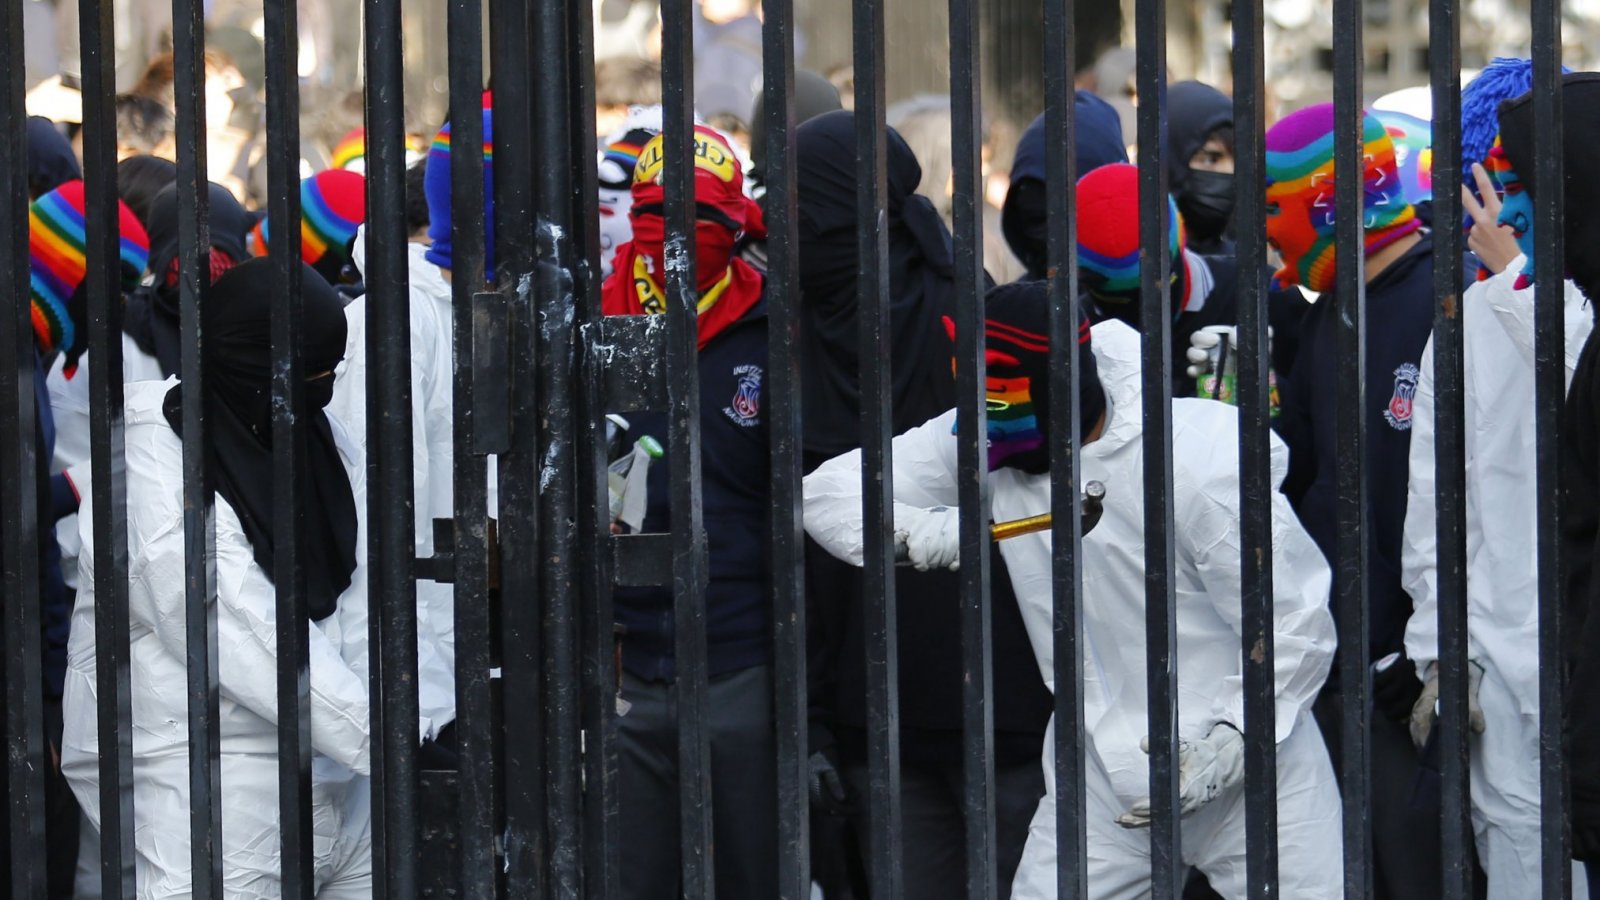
[730, 252]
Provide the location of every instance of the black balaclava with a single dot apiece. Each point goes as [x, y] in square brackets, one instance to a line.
[1024, 217]
[152, 314]
[51, 162]
[1194, 112]
[1580, 104]
[1016, 345]
[237, 357]
[921, 287]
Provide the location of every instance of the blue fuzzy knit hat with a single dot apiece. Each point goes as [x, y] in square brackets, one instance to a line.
[1504, 78]
[436, 185]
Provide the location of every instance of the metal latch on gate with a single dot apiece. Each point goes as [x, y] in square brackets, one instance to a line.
[441, 566]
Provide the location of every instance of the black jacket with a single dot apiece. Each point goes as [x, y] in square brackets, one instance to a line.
[737, 506]
[1399, 322]
[1580, 527]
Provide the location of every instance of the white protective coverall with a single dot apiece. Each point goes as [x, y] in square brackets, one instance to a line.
[1502, 563]
[69, 404]
[432, 454]
[1210, 683]
[247, 663]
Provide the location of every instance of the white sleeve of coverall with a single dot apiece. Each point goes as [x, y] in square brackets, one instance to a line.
[924, 475]
[1419, 562]
[1303, 634]
[1513, 309]
[247, 641]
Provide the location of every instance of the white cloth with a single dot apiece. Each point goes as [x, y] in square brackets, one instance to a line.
[247, 662]
[1502, 560]
[1210, 683]
[69, 404]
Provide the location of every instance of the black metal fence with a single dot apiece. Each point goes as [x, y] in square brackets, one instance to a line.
[533, 809]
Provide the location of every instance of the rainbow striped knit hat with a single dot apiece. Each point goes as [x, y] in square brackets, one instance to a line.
[333, 204]
[437, 187]
[351, 151]
[57, 267]
[1300, 194]
[1108, 233]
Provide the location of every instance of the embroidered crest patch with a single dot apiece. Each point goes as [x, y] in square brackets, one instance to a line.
[1398, 413]
[746, 406]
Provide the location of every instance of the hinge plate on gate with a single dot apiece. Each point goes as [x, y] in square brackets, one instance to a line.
[641, 560]
[632, 352]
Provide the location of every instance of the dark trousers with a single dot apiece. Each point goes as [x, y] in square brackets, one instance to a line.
[744, 787]
[1405, 832]
[1593, 871]
[934, 835]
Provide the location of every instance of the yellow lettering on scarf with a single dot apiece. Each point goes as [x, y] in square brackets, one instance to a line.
[710, 154]
[654, 300]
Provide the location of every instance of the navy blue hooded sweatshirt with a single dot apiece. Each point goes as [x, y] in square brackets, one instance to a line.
[1399, 321]
[737, 505]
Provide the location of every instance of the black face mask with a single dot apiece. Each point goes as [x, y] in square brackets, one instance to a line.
[1206, 202]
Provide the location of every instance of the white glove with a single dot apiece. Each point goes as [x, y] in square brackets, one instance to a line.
[1426, 711]
[1203, 341]
[932, 537]
[1199, 353]
[1206, 768]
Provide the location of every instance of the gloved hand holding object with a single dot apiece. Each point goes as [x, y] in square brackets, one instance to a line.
[1426, 710]
[932, 537]
[1395, 686]
[1212, 355]
[1206, 768]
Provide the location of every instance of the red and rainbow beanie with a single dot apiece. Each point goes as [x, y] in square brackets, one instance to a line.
[333, 205]
[1108, 230]
[57, 267]
[351, 152]
[1300, 194]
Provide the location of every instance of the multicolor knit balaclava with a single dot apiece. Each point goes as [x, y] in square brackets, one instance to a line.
[436, 185]
[616, 164]
[1300, 195]
[1016, 342]
[1413, 152]
[333, 205]
[1516, 209]
[57, 268]
[1108, 242]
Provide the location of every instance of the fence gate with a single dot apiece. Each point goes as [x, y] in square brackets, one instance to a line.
[532, 810]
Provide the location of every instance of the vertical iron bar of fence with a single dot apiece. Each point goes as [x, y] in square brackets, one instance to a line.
[288, 447]
[522, 627]
[391, 489]
[1450, 455]
[556, 316]
[200, 537]
[601, 850]
[790, 709]
[19, 494]
[1066, 503]
[1352, 508]
[1155, 304]
[102, 285]
[1549, 400]
[474, 693]
[689, 553]
[872, 298]
[972, 463]
[1255, 457]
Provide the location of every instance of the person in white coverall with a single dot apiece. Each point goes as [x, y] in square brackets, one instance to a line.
[432, 452]
[1211, 700]
[238, 456]
[1502, 518]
